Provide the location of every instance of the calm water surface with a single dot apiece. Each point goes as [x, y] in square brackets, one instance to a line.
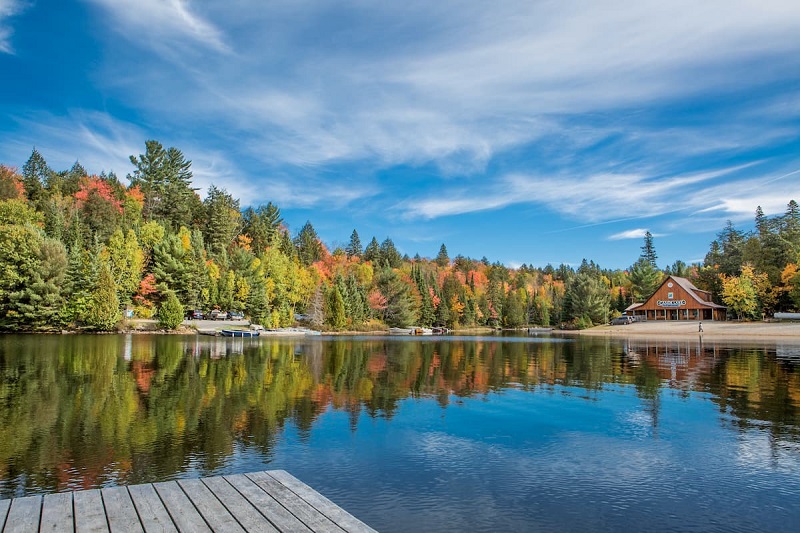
[432, 434]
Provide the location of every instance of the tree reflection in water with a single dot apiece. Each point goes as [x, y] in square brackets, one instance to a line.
[87, 411]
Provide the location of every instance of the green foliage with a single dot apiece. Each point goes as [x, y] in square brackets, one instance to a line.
[442, 259]
[645, 279]
[389, 254]
[354, 246]
[648, 250]
[15, 211]
[308, 245]
[164, 177]
[262, 225]
[589, 298]
[372, 252]
[170, 313]
[334, 309]
[103, 313]
[401, 307]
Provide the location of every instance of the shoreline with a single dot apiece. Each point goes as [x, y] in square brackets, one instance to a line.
[689, 329]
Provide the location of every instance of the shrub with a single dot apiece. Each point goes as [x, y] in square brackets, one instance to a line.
[170, 314]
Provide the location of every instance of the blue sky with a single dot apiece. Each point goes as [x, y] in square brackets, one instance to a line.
[526, 131]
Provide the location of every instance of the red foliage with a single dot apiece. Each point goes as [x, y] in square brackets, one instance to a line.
[147, 287]
[94, 187]
[376, 301]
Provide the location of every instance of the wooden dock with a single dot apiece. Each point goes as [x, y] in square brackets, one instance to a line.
[269, 501]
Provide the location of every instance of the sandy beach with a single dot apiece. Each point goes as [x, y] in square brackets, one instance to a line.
[711, 330]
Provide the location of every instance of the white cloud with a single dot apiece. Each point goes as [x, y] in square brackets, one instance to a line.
[163, 23]
[637, 233]
[594, 198]
[8, 8]
[454, 84]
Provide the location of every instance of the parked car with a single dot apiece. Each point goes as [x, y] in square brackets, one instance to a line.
[216, 314]
[622, 320]
[235, 315]
[194, 314]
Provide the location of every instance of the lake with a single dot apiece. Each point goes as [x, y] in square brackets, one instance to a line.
[423, 434]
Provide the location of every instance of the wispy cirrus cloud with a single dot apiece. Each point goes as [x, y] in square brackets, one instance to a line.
[163, 23]
[8, 8]
[592, 197]
[388, 84]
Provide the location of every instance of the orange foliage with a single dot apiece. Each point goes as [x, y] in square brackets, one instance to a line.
[244, 241]
[135, 194]
[93, 186]
[11, 187]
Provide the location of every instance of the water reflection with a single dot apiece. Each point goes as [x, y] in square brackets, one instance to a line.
[88, 411]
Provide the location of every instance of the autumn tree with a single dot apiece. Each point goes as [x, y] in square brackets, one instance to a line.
[739, 293]
[11, 187]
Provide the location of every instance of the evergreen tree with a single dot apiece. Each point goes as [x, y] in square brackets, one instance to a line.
[170, 313]
[262, 225]
[308, 245]
[334, 310]
[389, 254]
[164, 177]
[648, 250]
[645, 279]
[513, 313]
[401, 309]
[442, 259]
[354, 246]
[35, 174]
[372, 252]
[103, 313]
[222, 219]
[589, 299]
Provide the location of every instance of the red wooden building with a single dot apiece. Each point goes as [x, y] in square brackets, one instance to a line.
[678, 299]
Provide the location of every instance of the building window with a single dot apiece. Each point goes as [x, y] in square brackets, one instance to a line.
[669, 295]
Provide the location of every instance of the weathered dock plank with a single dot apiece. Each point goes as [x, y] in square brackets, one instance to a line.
[4, 505]
[151, 510]
[57, 513]
[184, 514]
[311, 517]
[23, 515]
[90, 514]
[244, 512]
[120, 511]
[216, 514]
[271, 502]
[344, 519]
[267, 505]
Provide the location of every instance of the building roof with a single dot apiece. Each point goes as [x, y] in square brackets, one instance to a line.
[687, 286]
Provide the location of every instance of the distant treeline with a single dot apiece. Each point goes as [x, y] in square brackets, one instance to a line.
[78, 250]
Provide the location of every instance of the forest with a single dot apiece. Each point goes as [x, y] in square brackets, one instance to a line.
[82, 252]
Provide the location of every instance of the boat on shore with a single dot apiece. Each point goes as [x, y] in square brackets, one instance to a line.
[416, 330]
[243, 333]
